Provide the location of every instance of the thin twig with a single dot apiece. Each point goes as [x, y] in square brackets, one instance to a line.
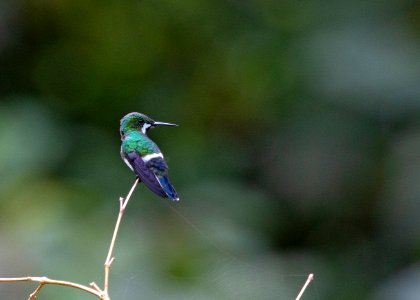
[110, 258]
[32, 296]
[310, 278]
[96, 287]
[45, 280]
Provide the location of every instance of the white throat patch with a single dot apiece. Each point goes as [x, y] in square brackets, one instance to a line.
[145, 127]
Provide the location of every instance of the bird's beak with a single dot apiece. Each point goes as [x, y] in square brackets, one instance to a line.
[163, 123]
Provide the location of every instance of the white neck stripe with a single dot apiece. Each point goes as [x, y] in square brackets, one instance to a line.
[148, 157]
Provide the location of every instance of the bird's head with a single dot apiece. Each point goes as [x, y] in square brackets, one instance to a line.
[135, 121]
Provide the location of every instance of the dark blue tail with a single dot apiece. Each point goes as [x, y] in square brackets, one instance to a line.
[168, 188]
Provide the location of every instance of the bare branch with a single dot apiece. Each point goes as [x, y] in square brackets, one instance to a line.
[310, 278]
[96, 287]
[110, 258]
[45, 280]
[32, 296]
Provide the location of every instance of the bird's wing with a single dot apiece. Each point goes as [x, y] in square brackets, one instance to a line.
[160, 169]
[145, 173]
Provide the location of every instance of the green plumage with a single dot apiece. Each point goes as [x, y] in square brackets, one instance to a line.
[140, 143]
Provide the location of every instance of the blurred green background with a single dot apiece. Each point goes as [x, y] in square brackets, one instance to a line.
[298, 149]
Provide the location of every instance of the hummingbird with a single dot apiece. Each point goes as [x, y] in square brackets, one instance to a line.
[143, 156]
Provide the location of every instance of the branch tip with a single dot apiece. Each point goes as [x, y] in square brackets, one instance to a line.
[311, 277]
[308, 280]
[96, 287]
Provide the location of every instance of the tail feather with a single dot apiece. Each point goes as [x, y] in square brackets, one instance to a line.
[168, 188]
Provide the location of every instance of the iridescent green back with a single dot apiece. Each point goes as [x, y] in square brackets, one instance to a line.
[140, 143]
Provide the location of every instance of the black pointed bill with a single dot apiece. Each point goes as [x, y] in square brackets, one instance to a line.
[163, 124]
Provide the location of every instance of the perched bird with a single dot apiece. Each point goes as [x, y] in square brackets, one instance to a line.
[143, 156]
